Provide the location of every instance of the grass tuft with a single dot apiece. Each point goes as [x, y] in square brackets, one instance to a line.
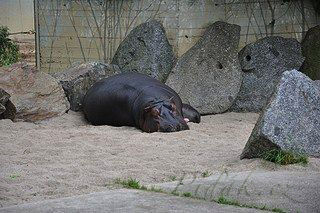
[129, 183]
[175, 193]
[226, 201]
[14, 176]
[173, 178]
[134, 184]
[205, 174]
[154, 189]
[284, 157]
[186, 194]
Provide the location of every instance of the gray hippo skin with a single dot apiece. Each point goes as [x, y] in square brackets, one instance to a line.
[133, 99]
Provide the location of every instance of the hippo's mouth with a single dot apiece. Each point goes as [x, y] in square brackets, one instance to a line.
[248, 70]
[176, 128]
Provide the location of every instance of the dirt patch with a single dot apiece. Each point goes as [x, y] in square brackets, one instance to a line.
[65, 156]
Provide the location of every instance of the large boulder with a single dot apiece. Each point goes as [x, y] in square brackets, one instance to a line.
[36, 95]
[146, 50]
[7, 109]
[291, 119]
[208, 76]
[263, 63]
[311, 50]
[78, 79]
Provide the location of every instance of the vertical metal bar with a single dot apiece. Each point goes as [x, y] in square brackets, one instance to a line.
[37, 34]
[105, 32]
[303, 19]
[21, 22]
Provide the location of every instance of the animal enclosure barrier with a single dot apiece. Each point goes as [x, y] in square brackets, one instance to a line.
[87, 30]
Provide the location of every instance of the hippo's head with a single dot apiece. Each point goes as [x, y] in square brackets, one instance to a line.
[162, 116]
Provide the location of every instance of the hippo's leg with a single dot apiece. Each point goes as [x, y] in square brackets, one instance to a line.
[191, 113]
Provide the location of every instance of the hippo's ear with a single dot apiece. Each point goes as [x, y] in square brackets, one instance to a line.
[173, 104]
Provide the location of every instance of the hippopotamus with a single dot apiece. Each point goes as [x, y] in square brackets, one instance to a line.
[134, 99]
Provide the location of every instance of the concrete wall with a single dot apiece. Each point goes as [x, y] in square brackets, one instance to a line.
[18, 15]
[81, 30]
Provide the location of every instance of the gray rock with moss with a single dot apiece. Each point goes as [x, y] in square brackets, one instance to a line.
[311, 51]
[146, 50]
[78, 79]
[291, 119]
[208, 76]
[263, 63]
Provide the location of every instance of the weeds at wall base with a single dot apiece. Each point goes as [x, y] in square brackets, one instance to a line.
[285, 157]
[135, 184]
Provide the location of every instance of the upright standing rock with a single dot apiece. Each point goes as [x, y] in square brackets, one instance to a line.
[263, 63]
[291, 119]
[311, 50]
[36, 95]
[77, 80]
[146, 50]
[208, 76]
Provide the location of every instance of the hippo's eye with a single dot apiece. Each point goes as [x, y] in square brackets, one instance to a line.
[170, 107]
[173, 107]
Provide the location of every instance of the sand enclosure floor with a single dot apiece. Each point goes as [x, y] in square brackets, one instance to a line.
[65, 156]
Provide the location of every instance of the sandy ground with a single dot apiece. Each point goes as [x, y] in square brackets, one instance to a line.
[65, 156]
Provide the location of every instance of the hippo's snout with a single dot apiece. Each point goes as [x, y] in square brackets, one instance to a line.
[174, 128]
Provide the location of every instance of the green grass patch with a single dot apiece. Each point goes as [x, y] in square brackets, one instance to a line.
[186, 194]
[129, 183]
[175, 193]
[226, 201]
[9, 50]
[135, 184]
[285, 157]
[14, 176]
[154, 189]
[205, 174]
[173, 178]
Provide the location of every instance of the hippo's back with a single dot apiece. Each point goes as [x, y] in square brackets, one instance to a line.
[110, 100]
[135, 80]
